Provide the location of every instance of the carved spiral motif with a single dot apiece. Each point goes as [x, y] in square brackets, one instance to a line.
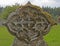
[29, 24]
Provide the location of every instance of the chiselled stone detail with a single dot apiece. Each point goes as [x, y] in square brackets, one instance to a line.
[29, 24]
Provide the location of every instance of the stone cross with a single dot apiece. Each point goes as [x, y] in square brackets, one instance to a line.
[29, 24]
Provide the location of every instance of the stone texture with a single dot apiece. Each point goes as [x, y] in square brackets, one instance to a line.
[29, 24]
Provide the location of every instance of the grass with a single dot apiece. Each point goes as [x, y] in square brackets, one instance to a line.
[5, 38]
[53, 38]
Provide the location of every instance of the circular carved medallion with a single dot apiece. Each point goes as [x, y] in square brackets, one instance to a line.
[28, 24]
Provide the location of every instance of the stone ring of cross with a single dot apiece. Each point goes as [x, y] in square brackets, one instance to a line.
[29, 24]
[26, 27]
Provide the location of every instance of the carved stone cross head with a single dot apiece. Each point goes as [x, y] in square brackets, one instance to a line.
[29, 24]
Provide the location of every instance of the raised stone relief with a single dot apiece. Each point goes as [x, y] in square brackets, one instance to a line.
[29, 24]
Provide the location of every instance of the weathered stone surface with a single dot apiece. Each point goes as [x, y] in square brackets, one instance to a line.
[39, 42]
[29, 24]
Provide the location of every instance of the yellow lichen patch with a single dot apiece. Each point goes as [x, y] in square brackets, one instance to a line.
[49, 18]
